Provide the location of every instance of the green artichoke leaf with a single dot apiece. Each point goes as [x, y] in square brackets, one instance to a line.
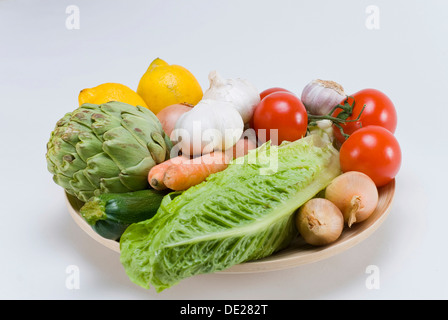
[240, 214]
[81, 139]
[100, 166]
[83, 116]
[122, 147]
[158, 147]
[80, 183]
[134, 124]
[58, 149]
[88, 146]
[136, 178]
[116, 109]
[102, 124]
[64, 182]
[150, 117]
[113, 185]
[65, 162]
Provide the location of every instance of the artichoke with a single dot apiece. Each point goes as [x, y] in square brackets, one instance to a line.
[106, 148]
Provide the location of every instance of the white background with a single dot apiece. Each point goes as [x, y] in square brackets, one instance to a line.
[44, 65]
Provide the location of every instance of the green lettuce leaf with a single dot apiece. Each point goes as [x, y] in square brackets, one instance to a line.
[240, 214]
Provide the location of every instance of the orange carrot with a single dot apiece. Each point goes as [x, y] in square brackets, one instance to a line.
[182, 172]
[186, 173]
[155, 175]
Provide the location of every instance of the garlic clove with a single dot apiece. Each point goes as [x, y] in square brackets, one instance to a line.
[321, 96]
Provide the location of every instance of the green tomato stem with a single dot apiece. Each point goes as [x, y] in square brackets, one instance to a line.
[341, 118]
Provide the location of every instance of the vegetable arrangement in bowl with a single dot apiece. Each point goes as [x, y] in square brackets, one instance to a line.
[196, 182]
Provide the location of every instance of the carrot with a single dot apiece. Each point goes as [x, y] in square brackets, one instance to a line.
[181, 172]
[155, 175]
[186, 173]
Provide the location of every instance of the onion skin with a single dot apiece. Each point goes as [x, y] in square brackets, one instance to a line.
[169, 115]
[355, 194]
[319, 222]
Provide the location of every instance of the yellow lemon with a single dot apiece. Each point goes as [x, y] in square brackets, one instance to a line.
[110, 92]
[163, 85]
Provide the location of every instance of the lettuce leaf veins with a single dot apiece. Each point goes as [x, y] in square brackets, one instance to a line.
[241, 214]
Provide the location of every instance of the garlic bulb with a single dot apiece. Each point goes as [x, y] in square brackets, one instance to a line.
[321, 96]
[240, 92]
[210, 125]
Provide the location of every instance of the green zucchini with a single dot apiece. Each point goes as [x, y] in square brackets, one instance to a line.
[109, 214]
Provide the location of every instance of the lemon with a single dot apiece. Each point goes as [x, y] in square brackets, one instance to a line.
[110, 92]
[163, 85]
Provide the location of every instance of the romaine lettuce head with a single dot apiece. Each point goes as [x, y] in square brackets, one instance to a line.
[240, 214]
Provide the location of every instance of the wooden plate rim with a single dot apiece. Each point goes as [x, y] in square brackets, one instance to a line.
[284, 259]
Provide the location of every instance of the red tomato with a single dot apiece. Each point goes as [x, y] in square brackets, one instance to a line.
[374, 151]
[379, 111]
[282, 112]
[271, 90]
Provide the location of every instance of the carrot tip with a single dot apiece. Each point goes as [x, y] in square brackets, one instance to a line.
[156, 184]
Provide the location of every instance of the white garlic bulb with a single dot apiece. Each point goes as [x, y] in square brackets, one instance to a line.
[210, 125]
[321, 96]
[240, 92]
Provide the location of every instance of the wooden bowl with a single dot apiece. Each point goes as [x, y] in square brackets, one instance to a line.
[298, 253]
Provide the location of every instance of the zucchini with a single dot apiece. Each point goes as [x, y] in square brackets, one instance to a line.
[109, 214]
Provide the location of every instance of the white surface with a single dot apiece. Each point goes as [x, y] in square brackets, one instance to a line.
[43, 66]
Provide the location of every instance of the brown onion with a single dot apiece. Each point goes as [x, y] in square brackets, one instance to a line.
[355, 194]
[319, 222]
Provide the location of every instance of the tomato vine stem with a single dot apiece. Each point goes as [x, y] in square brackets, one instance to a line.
[341, 118]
